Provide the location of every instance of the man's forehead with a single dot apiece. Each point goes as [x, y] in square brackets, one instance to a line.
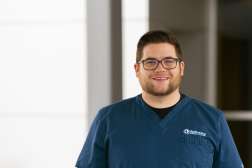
[159, 51]
[159, 47]
[158, 57]
[161, 44]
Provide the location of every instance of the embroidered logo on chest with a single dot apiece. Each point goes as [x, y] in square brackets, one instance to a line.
[193, 132]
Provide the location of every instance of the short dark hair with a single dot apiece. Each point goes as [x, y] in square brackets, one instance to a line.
[157, 36]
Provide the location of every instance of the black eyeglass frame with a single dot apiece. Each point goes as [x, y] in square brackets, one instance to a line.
[177, 60]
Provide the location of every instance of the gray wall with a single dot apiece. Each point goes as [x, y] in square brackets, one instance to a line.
[187, 19]
[104, 54]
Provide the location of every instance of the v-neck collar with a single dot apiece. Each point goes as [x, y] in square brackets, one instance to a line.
[154, 116]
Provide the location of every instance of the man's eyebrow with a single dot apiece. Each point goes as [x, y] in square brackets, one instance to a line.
[169, 57]
[150, 58]
[161, 58]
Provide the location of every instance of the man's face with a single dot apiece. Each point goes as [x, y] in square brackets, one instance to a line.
[159, 82]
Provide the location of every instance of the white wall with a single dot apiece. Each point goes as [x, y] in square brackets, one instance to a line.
[42, 82]
[135, 22]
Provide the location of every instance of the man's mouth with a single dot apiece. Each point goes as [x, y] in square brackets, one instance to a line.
[160, 78]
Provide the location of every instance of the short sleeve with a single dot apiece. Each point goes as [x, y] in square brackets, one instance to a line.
[94, 151]
[227, 155]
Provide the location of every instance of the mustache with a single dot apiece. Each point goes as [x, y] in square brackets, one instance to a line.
[161, 75]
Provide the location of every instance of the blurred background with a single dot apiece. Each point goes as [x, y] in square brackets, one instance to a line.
[62, 60]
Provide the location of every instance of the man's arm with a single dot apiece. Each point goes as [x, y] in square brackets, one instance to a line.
[93, 154]
[227, 155]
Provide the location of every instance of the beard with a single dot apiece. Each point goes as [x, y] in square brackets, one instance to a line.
[152, 89]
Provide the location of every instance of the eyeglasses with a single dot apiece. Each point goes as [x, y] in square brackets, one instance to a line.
[167, 63]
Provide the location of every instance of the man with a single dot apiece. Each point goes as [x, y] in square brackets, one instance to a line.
[160, 128]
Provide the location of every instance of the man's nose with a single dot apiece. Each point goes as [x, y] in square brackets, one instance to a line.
[160, 67]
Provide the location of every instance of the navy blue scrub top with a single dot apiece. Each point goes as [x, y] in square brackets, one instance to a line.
[129, 134]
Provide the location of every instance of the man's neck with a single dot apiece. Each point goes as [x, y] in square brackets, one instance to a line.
[161, 101]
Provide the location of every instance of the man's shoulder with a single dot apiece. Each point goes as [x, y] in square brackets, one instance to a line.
[205, 107]
[116, 107]
[120, 104]
[206, 115]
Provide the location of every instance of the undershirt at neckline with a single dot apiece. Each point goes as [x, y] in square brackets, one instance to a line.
[162, 112]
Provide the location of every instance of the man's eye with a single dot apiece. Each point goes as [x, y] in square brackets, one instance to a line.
[151, 62]
[169, 61]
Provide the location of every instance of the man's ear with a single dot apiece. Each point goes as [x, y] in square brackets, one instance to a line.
[182, 68]
[137, 68]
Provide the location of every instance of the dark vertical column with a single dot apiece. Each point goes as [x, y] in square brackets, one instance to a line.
[116, 49]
